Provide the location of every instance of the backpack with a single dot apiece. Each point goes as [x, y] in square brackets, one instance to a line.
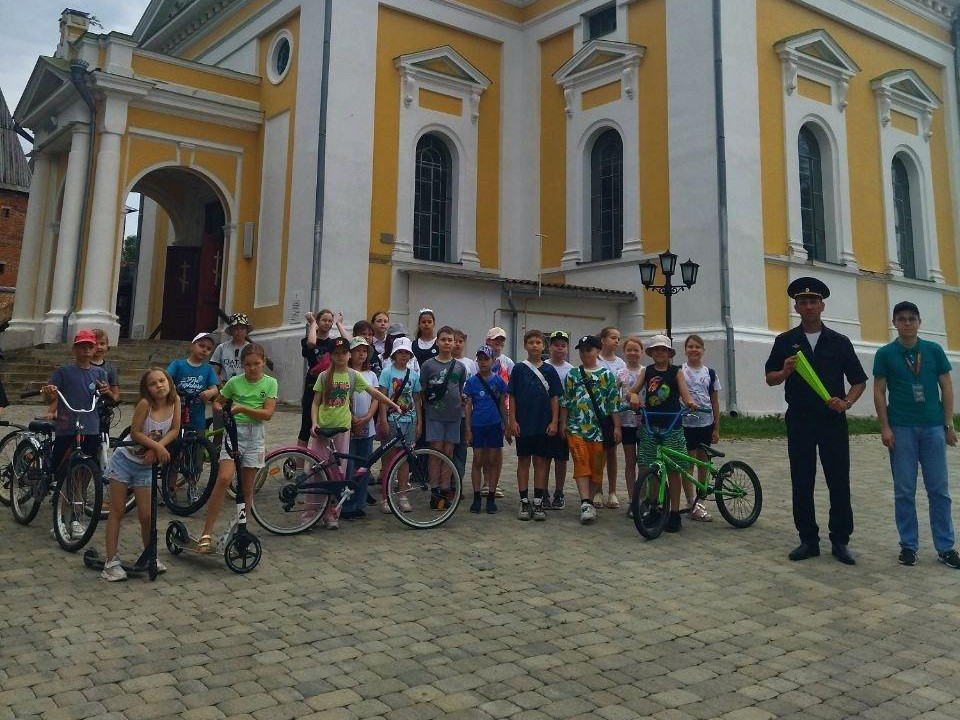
[713, 380]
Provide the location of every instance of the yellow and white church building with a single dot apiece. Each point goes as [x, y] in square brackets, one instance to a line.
[504, 162]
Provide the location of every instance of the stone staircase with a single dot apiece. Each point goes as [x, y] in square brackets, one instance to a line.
[132, 358]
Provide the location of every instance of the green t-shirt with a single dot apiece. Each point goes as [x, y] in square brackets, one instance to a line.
[893, 362]
[251, 394]
[335, 412]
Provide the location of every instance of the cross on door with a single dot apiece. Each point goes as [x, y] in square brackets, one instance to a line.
[184, 277]
[216, 268]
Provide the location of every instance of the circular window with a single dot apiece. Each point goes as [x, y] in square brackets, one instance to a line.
[278, 59]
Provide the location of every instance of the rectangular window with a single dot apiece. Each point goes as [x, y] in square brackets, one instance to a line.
[602, 22]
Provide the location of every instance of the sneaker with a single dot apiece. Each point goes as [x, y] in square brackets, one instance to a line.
[699, 513]
[588, 513]
[385, 507]
[950, 558]
[613, 501]
[498, 493]
[475, 505]
[113, 570]
[546, 503]
[161, 568]
[525, 513]
[484, 490]
[330, 520]
[492, 508]
[405, 505]
[77, 529]
[907, 557]
[598, 500]
[538, 514]
[558, 502]
[673, 522]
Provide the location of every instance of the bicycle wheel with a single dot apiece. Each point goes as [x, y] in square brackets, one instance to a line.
[10, 463]
[76, 504]
[28, 487]
[279, 505]
[190, 477]
[738, 494]
[420, 500]
[650, 503]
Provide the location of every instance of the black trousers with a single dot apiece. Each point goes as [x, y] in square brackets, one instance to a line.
[808, 432]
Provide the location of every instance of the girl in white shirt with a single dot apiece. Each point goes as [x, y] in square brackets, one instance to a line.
[610, 340]
[701, 428]
[626, 379]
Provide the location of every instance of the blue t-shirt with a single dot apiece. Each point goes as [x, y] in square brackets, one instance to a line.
[193, 379]
[485, 408]
[390, 380]
[78, 386]
[893, 362]
[532, 399]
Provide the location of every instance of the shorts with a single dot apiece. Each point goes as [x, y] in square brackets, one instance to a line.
[696, 436]
[123, 469]
[628, 434]
[250, 438]
[439, 431]
[557, 448]
[487, 436]
[589, 458]
[534, 446]
[408, 428]
[647, 445]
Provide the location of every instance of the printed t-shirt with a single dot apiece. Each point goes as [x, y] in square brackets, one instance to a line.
[486, 409]
[78, 386]
[192, 379]
[252, 394]
[448, 408]
[335, 411]
[362, 402]
[626, 379]
[698, 383]
[661, 394]
[894, 362]
[227, 356]
[390, 381]
[581, 417]
[532, 410]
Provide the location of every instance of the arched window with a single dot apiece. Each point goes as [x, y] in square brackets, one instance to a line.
[811, 196]
[606, 196]
[433, 200]
[903, 218]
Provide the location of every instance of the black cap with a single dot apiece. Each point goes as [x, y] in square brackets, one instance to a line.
[559, 335]
[808, 287]
[589, 341]
[340, 343]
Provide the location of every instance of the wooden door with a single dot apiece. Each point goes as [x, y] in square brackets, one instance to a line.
[209, 282]
[180, 284]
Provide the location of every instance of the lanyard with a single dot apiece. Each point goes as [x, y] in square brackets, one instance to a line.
[914, 365]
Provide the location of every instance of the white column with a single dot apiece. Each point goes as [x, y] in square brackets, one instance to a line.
[71, 214]
[20, 332]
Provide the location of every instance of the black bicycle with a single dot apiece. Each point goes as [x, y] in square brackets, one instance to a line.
[78, 494]
[192, 471]
[12, 456]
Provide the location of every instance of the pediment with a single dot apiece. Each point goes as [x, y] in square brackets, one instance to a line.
[818, 49]
[443, 63]
[49, 75]
[598, 57]
[907, 85]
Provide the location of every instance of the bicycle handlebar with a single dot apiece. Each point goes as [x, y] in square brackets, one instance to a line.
[682, 412]
[93, 406]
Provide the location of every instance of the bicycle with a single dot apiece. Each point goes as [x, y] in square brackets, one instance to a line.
[735, 486]
[78, 495]
[12, 457]
[298, 497]
[187, 484]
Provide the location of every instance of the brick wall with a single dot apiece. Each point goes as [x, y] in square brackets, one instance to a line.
[13, 213]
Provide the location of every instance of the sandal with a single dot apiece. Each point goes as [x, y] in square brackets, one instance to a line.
[205, 544]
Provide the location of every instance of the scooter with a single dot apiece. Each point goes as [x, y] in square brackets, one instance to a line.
[240, 548]
[146, 564]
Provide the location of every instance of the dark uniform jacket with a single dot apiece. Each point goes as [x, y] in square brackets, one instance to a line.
[833, 360]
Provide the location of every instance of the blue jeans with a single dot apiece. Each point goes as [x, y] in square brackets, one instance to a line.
[926, 447]
[361, 447]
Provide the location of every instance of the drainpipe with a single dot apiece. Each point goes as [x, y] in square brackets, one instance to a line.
[513, 324]
[78, 76]
[730, 351]
[321, 159]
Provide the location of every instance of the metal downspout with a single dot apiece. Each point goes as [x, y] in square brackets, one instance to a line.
[321, 159]
[513, 324]
[723, 222]
[78, 76]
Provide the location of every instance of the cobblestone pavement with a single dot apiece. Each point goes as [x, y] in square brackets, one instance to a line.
[492, 618]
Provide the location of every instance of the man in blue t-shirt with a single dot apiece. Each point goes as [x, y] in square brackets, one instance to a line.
[916, 425]
[194, 377]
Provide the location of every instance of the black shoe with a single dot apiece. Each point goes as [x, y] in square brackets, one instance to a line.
[804, 551]
[674, 523]
[950, 558]
[475, 505]
[907, 557]
[492, 508]
[843, 554]
[371, 500]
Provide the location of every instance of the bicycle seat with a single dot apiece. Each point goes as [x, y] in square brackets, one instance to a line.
[330, 432]
[40, 426]
[710, 452]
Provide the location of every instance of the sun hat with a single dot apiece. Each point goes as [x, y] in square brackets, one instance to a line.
[85, 336]
[589, 341]
[238, 320]
[660, 341]
[401, 343]
[487, 350]
[358, 342]
[396, 329]
[496, 332]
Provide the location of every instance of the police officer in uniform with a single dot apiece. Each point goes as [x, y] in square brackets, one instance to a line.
[813, 424]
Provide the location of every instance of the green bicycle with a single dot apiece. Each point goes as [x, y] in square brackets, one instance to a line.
[734, 485]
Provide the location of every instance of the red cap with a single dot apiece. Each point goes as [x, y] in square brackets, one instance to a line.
[85, 336]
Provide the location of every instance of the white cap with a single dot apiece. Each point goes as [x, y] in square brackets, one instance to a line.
[399, 344]
[201, 336]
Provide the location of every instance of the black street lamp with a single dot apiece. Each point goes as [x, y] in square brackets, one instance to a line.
[668, 266]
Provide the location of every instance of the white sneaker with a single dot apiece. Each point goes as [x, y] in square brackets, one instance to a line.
[405, 505]
[699, 512]
[588, 513]
[113, 570]
[161, 568]
[77, 529]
